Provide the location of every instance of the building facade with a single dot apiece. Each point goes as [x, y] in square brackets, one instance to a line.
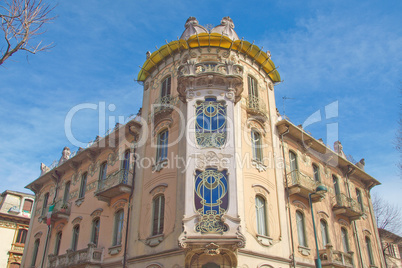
[207, 175]
[391, 248]
[15, 213]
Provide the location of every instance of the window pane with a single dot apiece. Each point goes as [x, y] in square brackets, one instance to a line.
[324, 233]
[316, 173]
[35, 252]
[359, 199]
[95, 231]
[21, 236]
[261, 216]
[369, 250]
[103, 171]
[336, 185]
[166, 84]
[66, 192]
[300, 229]
[83, 185]
[57, 244]
[256, 145]
[118, 227]
[76, 232]
[158, 215]
[345, 241]
[162, 146]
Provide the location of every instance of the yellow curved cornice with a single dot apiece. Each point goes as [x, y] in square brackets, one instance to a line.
[210, 40]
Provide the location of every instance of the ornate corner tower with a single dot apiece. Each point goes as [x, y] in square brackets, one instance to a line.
[204, 94]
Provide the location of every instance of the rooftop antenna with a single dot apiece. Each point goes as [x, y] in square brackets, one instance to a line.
[284, 98]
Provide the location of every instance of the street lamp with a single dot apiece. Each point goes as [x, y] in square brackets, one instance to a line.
[320, 190]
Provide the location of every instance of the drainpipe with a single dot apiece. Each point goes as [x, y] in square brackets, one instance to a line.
[356, 235]
[288, 198]
[49, 227]
[129, 207]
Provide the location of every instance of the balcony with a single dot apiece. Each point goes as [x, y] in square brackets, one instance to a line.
[301, 185]
[347, 207]
[334, 258]
[163, 108]
[257, 108]
[88, 257]
[114, 185]
[60, 211]
[17, 248]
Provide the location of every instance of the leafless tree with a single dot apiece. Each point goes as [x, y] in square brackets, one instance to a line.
[389, 216]
[22, 21]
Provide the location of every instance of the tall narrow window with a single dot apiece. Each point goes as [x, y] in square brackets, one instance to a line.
[369, 250]
[252, 87]
[336, 185]
[162, 146]
[260, 206]
[44, 205]
[165, 90]
[95, 231]
[35, 252]
[76, 233]
[103, 171]
[316, 171]
[158, 215]
[360, 199]
[293, 167]
[83, 185]
[345, 240]
[66, 192]
[210, 123]
[57, 243]
[21, 236]
[118, 227]
[324, 233]
[27, 205]
[126, 166]
[256, 144]
[301, 235]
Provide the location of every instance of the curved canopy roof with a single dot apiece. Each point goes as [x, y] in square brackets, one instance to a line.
[210, 40]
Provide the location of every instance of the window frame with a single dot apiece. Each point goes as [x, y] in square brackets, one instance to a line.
[158, 215]
[95, 231]
[35, 252]
[166, 87]
[66, 192]
[301, 235]
[335, 181]
[324, 233]
[316, 172]
[256, 145]
[261, 215]
[83, 185]
[57, 243]
[27, 201]
[345, 239]
[369, 249]
[103, 171]
[162, 145]
[20, 236]
[118, 227]
[252, 86]
[359, 198]
[45, 203]
[74, 237]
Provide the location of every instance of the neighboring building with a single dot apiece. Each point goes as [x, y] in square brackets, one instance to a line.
[198, 178]
[15, 213]
[392, 248]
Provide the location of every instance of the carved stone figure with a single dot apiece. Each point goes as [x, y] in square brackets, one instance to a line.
[44, 169]
[65, 155]
[338, 148]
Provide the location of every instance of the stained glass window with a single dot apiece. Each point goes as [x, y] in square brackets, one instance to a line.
[210, 125]
[211, 200]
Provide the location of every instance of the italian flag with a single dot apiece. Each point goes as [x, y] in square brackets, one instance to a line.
[49, 215]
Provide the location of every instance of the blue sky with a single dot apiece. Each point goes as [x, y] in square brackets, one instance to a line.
[327, 51]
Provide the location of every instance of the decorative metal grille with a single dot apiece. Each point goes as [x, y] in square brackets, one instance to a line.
[210, 125]
[211, 200]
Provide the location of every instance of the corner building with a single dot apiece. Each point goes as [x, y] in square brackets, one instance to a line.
[207, 175]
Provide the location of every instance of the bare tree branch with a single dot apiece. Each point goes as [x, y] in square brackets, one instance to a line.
[389, 216]
[22, 21]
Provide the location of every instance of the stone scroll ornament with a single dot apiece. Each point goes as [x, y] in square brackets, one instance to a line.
[211, 200]
[210, 125]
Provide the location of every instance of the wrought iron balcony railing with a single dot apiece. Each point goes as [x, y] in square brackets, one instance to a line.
[301, 184]
[61, 210]
[165, 103]
[88, 256]
[115, 184]
[336, 258]
[256, 106]
[347, 206]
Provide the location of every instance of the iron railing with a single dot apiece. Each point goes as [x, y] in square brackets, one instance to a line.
[89, 255]
[256, 105]
[121, 176]
[343, 201]
[295, 177]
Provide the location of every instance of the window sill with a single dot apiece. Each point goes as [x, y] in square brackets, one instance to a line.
[259, 165]
[264, 240]
[154, 240]
[113, 250]
[160, 165]
[304, 251]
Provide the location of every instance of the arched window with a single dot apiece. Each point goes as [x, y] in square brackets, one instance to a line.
[103, 171]
[336, 185]
[293, 167]
[158, 214]
[126, 166]
[118, 227]
[165, 89]
[261, 215]
[76, 233]
[57, 243]
[21, 236]
[35, 252]
[316, 171]
[324, 233]
[83, 185]
[66, 192]
[301, 234]
[162, 146]
[369, 250]
[359, 199]
[95, 231]
[44, 205]
[210, 123]
[345, 240]
[256, 143]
